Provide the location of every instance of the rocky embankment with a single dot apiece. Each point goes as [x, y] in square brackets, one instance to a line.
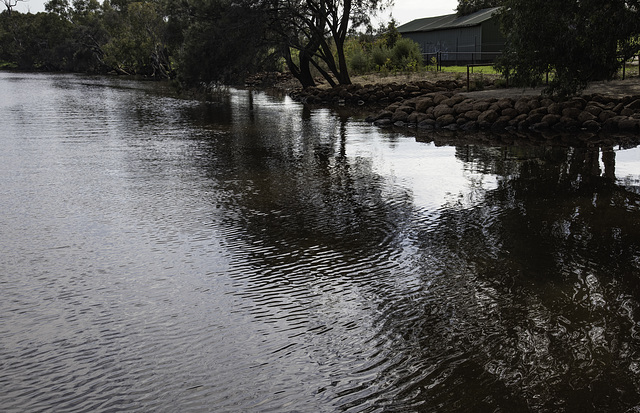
[375, 95]
[444, 106]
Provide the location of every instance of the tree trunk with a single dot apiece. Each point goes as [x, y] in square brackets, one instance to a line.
[303, 72]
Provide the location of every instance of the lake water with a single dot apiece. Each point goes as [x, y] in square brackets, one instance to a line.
[254, 255]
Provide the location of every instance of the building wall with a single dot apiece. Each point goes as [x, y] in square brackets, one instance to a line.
[461, 45]
[451, 43]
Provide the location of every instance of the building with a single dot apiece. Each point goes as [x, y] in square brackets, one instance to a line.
[458, 39]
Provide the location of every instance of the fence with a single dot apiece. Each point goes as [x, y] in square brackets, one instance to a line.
[460, 58]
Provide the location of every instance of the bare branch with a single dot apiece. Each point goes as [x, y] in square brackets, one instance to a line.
[10, 4]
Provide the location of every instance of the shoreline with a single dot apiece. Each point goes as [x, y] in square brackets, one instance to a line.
[604, 112]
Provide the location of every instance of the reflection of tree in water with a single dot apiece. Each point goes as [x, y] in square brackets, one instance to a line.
[307, 191]
[533, 295]
[524, 300]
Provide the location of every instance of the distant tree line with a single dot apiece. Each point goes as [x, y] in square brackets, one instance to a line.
[193, 40]
[200, 41]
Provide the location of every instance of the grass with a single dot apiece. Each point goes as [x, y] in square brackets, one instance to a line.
[7, 65]
[489, 70]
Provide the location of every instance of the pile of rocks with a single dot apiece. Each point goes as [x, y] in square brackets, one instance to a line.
[372, 94]
[591, 113]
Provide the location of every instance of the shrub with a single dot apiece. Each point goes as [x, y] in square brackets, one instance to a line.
[406, 54]
[359, 63]
[380, 56]
[356, 56]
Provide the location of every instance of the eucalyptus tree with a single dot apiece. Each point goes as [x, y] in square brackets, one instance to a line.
[578, 40]
[136, 42]
[10, 4]
[87, 34]
[35, 42]
[218, 40]
[317, 30]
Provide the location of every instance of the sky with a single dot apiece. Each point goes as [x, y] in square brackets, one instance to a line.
[403, 11]
[406, 10]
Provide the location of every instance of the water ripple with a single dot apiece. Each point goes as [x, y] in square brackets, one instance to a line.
[252, 255]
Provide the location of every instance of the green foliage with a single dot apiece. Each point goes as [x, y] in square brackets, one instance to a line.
[136, 42]
[358, 58]
[224, 46]
[380, 56]
[36, 42]
[391, 35]
[197, 41]
[406, 55]
[364, 57]
[579, 42]
[466, 7]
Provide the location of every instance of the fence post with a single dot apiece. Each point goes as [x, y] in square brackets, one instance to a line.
[468, 83]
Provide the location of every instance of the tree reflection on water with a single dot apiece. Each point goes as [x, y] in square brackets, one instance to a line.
[549, 264]
[518, 296]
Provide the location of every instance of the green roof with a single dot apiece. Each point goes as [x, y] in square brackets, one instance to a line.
[450, 21]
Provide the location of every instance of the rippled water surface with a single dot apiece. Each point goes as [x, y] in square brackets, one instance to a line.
[252, 255]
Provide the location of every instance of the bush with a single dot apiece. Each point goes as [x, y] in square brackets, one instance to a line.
[406, 55]
[380, 56]
[356, 56]
[358, 62]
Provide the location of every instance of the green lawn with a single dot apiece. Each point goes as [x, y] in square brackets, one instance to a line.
[463, 69]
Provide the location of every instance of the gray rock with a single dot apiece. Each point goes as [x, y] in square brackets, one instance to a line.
[551, 119]
[383, 123]
[445, 120]
[441, 110]
[488, 115]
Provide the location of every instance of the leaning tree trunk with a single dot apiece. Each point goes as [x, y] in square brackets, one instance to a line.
[339, 37]
[302, 72]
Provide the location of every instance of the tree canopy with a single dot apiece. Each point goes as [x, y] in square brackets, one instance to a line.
[316, 30]
[202, 41]
[578, 40]
[195, 40]
[471, 6]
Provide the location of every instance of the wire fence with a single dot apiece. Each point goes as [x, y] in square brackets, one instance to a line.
[460, 58]
[487, 59]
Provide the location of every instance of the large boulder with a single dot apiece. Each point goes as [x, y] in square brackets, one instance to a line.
[585, 116]
[439, 98]
[571, 112]
[424, 103]
[488, 115]
[481, 105]
[445, 120]
[510, 112]
[550, 119]
[385, 114]
[463, 107]
[629, 125]
[593, 108]
[605, 115]
[471, 115]
[399, 116]
[634, 105]
[441, 110]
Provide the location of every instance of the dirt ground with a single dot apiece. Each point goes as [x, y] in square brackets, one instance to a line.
[613, 88]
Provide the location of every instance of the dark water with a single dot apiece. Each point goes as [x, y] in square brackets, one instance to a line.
[162, 255]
